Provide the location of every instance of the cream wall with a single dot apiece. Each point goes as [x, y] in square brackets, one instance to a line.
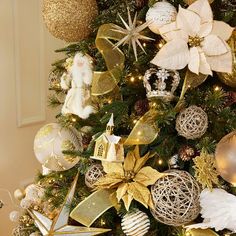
[26, 52]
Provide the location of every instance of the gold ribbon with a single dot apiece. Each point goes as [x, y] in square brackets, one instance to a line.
[91, 208]
[105, 82]
[201, 232]
[191, 81]
[145, 130]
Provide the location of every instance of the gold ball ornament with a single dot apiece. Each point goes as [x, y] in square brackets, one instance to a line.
[69, 20]
[49, 144]
[230, 78]
[176, 198]
[225, 156]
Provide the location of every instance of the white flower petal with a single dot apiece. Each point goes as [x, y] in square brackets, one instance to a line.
[222, 30]
[170, 32]
[194, 61]
[174, 55]
[203, 9]
[214, 46]
[188, 21]
[205, 29]
[222, 63]
[204, 67]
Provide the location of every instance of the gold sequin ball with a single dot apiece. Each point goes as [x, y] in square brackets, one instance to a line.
[69, 20]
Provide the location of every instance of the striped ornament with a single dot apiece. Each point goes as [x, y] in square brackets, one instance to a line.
[135, 223]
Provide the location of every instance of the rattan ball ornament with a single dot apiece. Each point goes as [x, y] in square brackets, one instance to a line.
[50, 142]
[175, 198]
[93, 174]
[69, 20]
[135, 223]
[159, 14]
[192, 122]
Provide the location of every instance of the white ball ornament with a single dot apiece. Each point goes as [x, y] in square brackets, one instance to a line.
[19, 194]
[135, 223]
[161, 13]
[49, 144]
[14, 216]
[26, 203]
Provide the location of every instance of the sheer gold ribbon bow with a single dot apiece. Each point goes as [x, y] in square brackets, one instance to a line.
[104, 82]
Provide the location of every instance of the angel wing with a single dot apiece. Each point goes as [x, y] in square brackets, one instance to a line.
[218, 210]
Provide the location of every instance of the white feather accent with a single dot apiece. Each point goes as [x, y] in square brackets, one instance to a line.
[218, 210]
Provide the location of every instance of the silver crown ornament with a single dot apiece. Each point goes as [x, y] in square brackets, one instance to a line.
[161, 83]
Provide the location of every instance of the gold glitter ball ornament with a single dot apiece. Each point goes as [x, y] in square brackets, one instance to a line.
[225, 156]
[69, 20]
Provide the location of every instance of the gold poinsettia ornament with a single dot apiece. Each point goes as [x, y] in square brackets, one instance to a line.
[130, 179]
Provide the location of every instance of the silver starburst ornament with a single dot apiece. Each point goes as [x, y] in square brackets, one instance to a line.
[132, 33]
[60, 226]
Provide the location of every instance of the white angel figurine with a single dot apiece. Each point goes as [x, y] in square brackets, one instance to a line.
[78, 97]
[218, 210]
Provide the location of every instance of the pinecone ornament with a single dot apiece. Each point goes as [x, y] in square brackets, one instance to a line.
[230, 99]
[141, 107]
[140, 3]
[186, 153]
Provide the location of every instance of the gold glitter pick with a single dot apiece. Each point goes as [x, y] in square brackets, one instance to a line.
[132, 33]
[59, 225]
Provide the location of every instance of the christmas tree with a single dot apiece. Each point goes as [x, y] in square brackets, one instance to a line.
[145, 143]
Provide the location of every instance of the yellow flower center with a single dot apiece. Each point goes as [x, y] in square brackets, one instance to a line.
[129, 175]
[194, 41]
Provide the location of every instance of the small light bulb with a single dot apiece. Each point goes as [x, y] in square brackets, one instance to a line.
[135, 121]
[217, 88]
[188, 234]
[139, 132]
[144, 44]
[132, 79]
[73, 119]
[109, 101]
[160, 162]
[160, 45]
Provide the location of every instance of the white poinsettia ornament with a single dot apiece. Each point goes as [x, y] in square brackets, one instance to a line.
[196, 40]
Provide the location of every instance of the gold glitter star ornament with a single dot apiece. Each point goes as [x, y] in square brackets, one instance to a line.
[132, 33]
[59, 225]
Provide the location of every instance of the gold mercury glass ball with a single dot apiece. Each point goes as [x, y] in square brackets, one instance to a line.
[225, 156]
[19, 194]
[69, 20]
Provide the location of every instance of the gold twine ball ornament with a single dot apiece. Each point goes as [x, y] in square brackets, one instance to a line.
[19, 194]
[230, 78]
[69, 20]
[192, 122]
[175, 198]
[93, 174]
[50, 142]
[225, 156]
[135, 223]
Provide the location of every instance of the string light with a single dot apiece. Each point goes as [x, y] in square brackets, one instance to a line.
[109, 101]
[73, 119]
[135, 121]
[217, 88]
[140, 77]
[160, 45]
[188, 234]
[160, 162]
[144, 44]
[132, 79]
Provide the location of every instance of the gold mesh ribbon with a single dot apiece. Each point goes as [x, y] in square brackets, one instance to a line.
[90, 209]
[105, 82]
[145, 130]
